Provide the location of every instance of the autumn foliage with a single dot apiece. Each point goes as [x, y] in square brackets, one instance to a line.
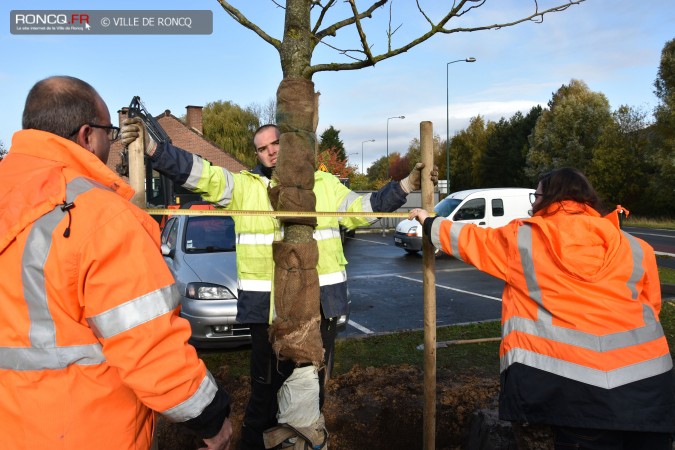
[338, 167]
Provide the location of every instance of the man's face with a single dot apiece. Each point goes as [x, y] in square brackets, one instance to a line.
[100, 138]
[96, 139]
[267, 146]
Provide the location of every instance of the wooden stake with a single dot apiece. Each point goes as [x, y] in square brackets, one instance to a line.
[137, 171]
[429, 284]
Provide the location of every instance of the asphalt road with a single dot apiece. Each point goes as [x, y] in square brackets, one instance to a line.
[386, 290]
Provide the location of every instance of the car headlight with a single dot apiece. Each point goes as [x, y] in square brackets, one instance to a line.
[207, 291]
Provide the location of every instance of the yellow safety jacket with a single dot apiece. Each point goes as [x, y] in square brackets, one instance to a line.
[247, 190]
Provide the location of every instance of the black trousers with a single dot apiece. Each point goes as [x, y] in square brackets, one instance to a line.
[590, 439]
[267, 376]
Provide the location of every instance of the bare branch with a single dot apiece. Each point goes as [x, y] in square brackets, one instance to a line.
[362, 34]
[239, 17]
[536, 16]
[332, 30]
[324, 10]
[278, 5]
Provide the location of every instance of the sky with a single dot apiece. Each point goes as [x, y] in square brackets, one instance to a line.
[614, 46]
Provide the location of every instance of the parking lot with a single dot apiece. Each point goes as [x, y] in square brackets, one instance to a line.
[385, 284]
[386, 289]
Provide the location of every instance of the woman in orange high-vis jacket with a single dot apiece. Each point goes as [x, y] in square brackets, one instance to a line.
[582, 347]
[90, 338]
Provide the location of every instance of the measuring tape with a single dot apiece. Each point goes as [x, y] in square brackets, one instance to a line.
[225, 212]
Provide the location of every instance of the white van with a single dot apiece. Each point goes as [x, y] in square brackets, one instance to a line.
[492, 207]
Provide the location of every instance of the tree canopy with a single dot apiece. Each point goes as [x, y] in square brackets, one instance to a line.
[330, 139]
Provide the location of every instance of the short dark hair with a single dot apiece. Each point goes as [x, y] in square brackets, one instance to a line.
[567, 183]
[59, 105]
[260, 128]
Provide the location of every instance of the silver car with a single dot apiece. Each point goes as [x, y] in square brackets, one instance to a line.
[200, 252]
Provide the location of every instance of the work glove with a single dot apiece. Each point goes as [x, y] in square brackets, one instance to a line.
[413, 182]
[132, 128]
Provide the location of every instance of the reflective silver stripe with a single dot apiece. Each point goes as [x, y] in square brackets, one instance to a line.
[327, 233]
[435, 233]
[527, 262]
[542, 327]
[43, 353]
[195, 173]
[606, 380]
[332, 278]
[135, 312]
[16, 358]
[197, 182]
[268, 239]
[255, 238]
[455, 230]
[194, 406]
[255, 285]
[266, 285]
[365, 205]
[638, 271]
[349, 199]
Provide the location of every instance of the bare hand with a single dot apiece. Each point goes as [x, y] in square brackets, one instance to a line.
[220, 441]
[419, 214]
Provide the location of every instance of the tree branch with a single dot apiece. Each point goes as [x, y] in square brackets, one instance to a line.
[239, 17]
[324, 10]
[537, 17]
[332, 30]
[362, 34]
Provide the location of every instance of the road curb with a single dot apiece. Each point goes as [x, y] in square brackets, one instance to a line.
[668, 290]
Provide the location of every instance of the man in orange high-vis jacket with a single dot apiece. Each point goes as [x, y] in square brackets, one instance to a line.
[90, 338]
[582, 346]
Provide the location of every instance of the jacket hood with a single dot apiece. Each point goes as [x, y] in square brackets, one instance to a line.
[579, 240]
[32, 179]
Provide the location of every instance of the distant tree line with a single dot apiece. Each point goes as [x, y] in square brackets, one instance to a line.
[628, 155]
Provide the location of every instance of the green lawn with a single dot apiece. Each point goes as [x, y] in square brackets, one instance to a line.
[401, 348]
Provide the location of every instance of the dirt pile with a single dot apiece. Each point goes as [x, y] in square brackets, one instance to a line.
[373, 408]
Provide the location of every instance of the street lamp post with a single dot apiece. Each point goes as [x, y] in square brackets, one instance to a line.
[369, 140]
[388, 119]
[350, 154]
[447, 120]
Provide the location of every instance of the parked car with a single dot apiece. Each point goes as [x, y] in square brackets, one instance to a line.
[492, 207]
[200, 252]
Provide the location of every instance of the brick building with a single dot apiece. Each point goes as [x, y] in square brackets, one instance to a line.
[186, 135]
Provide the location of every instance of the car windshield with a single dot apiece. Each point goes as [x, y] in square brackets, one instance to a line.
[446, 206]
[209, 234]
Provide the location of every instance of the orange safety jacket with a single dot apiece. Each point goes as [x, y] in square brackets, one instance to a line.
[90, 337]
[579, 309]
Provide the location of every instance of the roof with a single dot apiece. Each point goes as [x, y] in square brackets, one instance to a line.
[504, 191]
[188, 139]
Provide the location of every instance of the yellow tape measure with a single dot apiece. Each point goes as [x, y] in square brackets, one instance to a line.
[225, 212]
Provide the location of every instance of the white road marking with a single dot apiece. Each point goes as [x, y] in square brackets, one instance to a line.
[368, 240]
[361, 328]
[382, 275]
[652, 234]
[454, 289]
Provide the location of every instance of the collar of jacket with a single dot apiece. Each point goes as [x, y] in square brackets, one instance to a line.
[567, 207]
[51, 147]
[32, 180]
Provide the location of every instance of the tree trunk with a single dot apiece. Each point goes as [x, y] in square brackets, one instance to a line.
[295, 332]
